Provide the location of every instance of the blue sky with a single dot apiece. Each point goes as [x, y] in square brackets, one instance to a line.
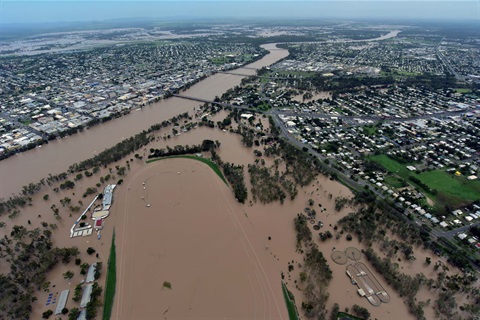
[17, 11]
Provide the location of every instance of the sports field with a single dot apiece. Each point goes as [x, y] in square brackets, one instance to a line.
[452, 190]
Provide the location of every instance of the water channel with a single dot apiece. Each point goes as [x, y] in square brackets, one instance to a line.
[58, 155]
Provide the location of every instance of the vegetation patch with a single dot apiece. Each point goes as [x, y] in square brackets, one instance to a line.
[391, 165]
[451, 189]
[463, 90]
[317, 268]
[290, 301]
[265, 186]
[370, 130]
[344, 315]
[235, 176]
[111, 281]
[395, 182]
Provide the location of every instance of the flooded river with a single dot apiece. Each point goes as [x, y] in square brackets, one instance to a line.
[33, 165]
[58, 155]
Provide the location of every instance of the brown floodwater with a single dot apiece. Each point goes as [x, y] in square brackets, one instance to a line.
[58, 155]
[200, 240]
[173, 229]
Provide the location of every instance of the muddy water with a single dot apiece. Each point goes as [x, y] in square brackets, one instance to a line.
[55, 157]
[203, 242]
[190, 226]
[196, 238]
[32, 217]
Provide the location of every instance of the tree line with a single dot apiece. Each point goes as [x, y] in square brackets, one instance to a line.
[206, 145]
[124, 147]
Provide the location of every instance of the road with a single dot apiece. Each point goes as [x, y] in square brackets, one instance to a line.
[452, 233]
[446, 63]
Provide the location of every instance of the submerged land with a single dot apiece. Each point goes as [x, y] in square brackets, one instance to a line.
[327, 174]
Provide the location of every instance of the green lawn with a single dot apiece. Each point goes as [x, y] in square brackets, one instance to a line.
[369, 131]
[247, 57]
[219, 60]
[208, 162]
[392, 165]
[463, 90]
[394, 181]
[111, 282]
[292, 309]
[452, 190]
[263, 107]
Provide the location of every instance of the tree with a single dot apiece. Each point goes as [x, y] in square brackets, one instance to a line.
[361, 311]
[68, 275]
[47, 314]
[67, 185]
[90, 250]
[73, 315]
[65, 201]
[45, 197]
[428, 260]
[335, 311]
[83, 268]
[77, 295]
[64, 311]
[98, 270]
[303, 276]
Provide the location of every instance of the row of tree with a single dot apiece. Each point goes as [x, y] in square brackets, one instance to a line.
[205, 146]
[125, 147]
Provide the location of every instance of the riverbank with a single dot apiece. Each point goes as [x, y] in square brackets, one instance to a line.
[58, 155]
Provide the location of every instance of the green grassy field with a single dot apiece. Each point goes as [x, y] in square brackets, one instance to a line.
[208, 162]
[292, 310]
[392, 165]
[452, 190]
[463, 90]
[111, 282]
[370, 131]
[394, 181]
[219, 60]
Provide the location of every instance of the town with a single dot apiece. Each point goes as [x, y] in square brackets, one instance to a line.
[367, 134]
[46, 96]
